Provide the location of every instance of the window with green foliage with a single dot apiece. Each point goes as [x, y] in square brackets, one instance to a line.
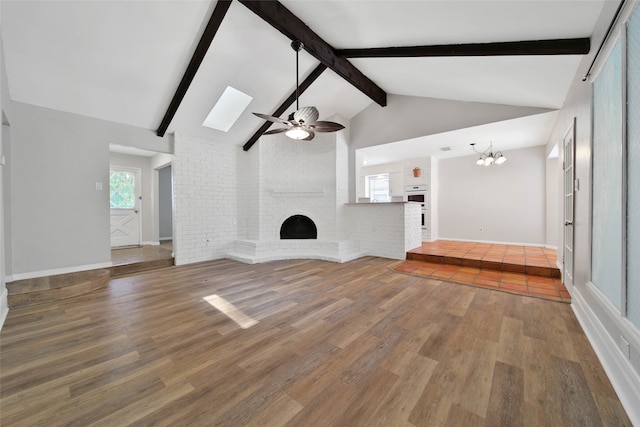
[122, 190]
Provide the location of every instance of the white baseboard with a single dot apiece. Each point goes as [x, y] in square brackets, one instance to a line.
[56, 271]
[162, 239]
[4, 306]
[623, 377]
[151, 243]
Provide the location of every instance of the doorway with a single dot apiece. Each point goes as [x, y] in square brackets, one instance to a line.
[165, 205]
[124, 203]
[145, 249]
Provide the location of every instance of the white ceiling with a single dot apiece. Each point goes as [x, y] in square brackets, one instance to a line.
[122, 60]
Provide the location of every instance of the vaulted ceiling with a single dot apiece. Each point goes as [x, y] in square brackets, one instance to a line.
[122, 61]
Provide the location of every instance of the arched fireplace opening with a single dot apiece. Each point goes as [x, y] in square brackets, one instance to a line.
[298, 227]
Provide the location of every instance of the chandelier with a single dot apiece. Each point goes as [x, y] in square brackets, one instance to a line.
[488, 157]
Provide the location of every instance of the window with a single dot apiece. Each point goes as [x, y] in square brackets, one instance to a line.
[606, 254]
[615, 270]
[378, 187]
[633, 168]
[122, 190]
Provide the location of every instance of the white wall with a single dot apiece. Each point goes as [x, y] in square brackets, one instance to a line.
[297, 178]
[499, 203]
[60, 221]
[205, 187]
[385, 229]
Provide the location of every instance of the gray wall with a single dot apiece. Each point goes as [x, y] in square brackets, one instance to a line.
[5, 221]
[407, 117]
[165, 204]
[553, 199]
[499, 203]
[60, 220]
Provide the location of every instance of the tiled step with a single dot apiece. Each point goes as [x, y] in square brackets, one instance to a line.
[515, 283]
[52, 288]
[536, 270]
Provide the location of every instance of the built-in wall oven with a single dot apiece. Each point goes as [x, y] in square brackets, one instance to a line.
[418, 193]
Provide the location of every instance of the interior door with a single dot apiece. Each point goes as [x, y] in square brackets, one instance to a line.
[569, 190]
[124, 192]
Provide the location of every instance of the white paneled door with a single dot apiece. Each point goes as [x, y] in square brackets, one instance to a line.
[569, 189]
[124, 199]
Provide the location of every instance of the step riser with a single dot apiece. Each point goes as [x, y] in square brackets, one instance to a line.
[486, 265]
[127, 269]
[54, 288]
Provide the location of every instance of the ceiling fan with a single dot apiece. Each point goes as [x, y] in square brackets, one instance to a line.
[303, 123]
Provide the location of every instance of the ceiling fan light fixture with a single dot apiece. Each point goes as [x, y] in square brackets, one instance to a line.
[297, 133]
[302, 123]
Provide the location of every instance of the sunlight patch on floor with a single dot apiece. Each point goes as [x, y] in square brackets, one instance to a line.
[230, 311]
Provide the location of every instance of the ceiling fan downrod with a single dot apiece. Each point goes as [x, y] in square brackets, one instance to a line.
[297, 45]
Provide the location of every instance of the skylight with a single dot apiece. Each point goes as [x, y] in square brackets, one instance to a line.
[227, 110]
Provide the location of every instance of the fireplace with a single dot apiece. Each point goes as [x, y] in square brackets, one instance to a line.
[298, 227]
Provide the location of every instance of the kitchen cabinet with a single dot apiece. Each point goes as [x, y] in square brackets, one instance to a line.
[396, 184]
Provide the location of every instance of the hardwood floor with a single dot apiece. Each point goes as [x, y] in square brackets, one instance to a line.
[324, 344]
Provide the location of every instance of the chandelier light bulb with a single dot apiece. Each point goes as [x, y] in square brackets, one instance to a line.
[297, 133]
[488, 157]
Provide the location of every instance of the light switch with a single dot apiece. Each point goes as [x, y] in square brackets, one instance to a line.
[98, 186]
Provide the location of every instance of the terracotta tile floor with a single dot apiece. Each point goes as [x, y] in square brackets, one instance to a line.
[524, 255]
[540, 286]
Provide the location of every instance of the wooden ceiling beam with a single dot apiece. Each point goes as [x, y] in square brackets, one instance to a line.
[287, 23]
[198, 55]
[576, 46]
[286, 104]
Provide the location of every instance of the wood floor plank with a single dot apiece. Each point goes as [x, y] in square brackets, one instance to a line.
[335, 345]
[574, 389]
[400, 399]
[511, 342]
[480, 377]
[507, 396]
[277, 414]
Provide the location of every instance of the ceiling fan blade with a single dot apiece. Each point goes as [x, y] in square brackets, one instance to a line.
[321, 126]
[274, 131]
[271, 118]
[311, 135]
[306, 115]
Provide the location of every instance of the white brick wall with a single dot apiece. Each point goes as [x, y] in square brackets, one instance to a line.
[387, 230]
[206, 198]
[297, 177]
[231, 203]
